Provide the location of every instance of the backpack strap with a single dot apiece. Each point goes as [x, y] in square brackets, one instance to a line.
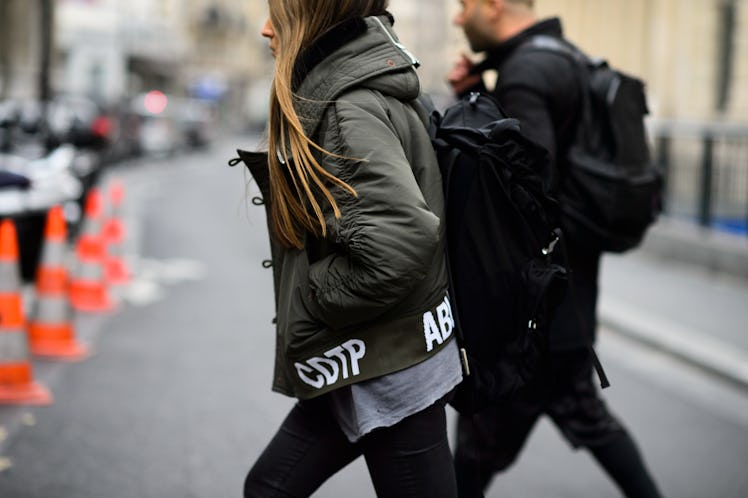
[427, 111]
[584, 64]
[558, 45]
[601, 375]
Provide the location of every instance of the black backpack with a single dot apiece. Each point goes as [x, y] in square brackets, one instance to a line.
[501, 235]
[612, 191]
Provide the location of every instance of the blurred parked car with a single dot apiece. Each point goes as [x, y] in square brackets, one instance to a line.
[29, 186]
[157, 129]
[196, 121]
[79, 121]
[168, 123]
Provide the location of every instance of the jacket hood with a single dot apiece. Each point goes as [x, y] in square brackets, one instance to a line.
[361, 53]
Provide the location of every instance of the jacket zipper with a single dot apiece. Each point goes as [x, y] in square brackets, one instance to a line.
[399, 45]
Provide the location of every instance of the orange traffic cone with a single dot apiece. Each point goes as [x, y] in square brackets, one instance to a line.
[115, 268]
[51, 331]
[17, 385]
[88, 289]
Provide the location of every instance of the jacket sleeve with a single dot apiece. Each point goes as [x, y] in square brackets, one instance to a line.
[387, 236]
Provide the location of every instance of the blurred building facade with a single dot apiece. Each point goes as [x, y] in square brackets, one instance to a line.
[424, 27]
[208, 49]
[20, 49]
[229, 60]
[110, 49]
[692, 53]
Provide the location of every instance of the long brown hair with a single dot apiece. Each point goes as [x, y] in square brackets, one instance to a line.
[298, 183]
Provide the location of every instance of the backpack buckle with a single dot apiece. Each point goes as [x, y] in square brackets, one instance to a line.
[549, 249]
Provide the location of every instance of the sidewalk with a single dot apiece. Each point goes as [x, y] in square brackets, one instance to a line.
[685, 291]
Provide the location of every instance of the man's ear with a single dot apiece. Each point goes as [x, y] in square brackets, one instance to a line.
[493, 8]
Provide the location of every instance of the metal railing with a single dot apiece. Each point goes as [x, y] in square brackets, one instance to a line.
[706, 171]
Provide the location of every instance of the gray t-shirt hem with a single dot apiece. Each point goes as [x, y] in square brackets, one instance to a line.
[383, 402]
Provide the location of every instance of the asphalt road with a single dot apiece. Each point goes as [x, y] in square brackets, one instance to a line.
[176, 400]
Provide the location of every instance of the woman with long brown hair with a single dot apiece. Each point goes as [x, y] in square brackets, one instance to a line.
[355, 207]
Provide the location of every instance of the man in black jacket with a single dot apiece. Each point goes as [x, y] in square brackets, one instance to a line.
[541, 88]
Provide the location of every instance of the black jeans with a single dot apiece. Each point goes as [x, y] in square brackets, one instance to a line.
[410, 459]
[490, 441]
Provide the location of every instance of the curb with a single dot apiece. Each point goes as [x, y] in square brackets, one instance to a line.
[717, 357]
[682, 241]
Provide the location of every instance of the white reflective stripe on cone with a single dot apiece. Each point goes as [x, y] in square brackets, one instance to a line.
[52, 310]
[10, 281]
[115, 250]
[89, 271]
[53, 251]
[92, 227]
[13, 346]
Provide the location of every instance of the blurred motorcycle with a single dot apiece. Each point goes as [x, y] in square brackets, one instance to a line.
[37, 171]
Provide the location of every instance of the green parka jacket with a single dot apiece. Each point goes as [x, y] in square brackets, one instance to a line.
[370, 298]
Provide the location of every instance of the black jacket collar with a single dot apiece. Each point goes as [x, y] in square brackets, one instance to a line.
[329, 41]
[494, 57]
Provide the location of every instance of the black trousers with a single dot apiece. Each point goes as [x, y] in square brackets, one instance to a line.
[489, 442]
[410, 459]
